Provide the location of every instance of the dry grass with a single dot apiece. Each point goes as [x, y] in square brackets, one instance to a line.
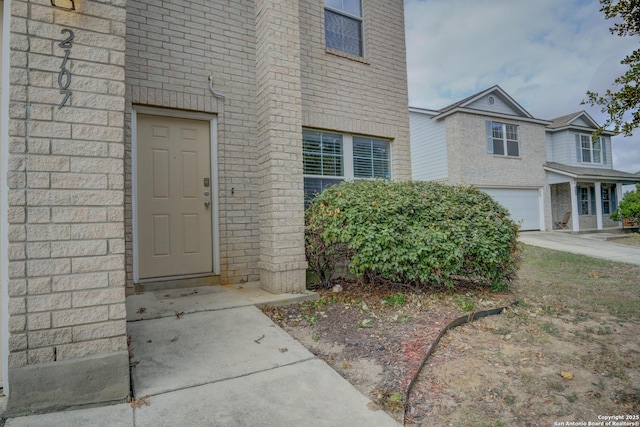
[582, 283]
[568, 352]
[631, 240]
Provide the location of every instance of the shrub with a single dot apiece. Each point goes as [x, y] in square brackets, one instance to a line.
[629, 207]
[419, 234]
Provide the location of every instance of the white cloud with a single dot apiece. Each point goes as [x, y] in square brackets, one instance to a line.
[546, 54]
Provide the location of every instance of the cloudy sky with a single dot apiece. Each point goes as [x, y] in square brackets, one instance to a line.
[546, 54]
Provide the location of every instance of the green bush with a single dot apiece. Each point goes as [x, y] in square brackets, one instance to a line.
[418, 234]
[629, 207]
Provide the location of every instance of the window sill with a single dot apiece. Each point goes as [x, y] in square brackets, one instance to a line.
[341, 54]
[500, 156]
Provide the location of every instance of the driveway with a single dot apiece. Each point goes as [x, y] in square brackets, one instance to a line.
[594, 245]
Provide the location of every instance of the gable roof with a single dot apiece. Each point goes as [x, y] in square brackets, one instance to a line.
[592, 173]
[465, 105]
[572, 121]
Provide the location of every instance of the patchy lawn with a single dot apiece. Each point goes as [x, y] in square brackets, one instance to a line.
[569, 351]
[631, 240]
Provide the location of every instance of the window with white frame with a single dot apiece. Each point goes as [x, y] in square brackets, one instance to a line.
[590, 149]
[504, 140]
[371, 158]
[584, 200]
[343, 26]
[329, 158]
[608, 194]
[606, 200]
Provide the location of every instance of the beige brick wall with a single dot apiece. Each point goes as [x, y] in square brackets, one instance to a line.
[173, 46]
[279, 106]
[469, 162]
[561, 202]
[359, 95]
[66, 236]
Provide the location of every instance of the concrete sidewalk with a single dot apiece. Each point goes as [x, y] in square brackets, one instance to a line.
[596, 245]
[220, 367]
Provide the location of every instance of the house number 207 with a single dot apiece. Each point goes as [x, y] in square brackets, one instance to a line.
[64, 76]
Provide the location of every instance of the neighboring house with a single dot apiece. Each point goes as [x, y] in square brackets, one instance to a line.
[148, 140]
[489, 141]
[580, 173]
[543, 171]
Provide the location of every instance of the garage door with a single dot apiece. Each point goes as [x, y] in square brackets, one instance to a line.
[523, 205]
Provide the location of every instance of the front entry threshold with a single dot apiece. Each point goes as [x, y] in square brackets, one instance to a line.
[176, 302]
[160, 284]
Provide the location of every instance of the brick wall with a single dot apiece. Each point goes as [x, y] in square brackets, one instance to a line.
[359, 95]
[66, 180]
[469, 162]
[561, 202]
[173, 46]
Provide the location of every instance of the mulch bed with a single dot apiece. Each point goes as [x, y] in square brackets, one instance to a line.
[392, 327]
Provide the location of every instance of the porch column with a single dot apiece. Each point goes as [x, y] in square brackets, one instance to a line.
[598, 206]
[575, 220]
[619, 197]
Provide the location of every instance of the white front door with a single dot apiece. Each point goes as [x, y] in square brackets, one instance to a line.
[174, 201]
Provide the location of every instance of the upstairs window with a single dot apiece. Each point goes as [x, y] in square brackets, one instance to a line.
[502, 139]
[589, 150]
[343, 26]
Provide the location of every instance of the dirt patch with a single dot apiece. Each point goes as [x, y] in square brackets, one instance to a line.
[535, 364]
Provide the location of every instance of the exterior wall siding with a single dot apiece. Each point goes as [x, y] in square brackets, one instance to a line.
[550, 147]
[428, 148]
[498, 106]
[563, 149]
[469, 162]
[66, 193]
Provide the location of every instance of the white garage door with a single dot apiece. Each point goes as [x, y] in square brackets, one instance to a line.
[523, 205]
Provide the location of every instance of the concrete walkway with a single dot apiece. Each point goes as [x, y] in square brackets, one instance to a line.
[596, 245]
[220, 362]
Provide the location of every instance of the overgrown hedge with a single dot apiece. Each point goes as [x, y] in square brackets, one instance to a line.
[420, 234]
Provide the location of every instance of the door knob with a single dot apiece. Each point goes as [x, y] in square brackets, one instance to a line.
[207, 203]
